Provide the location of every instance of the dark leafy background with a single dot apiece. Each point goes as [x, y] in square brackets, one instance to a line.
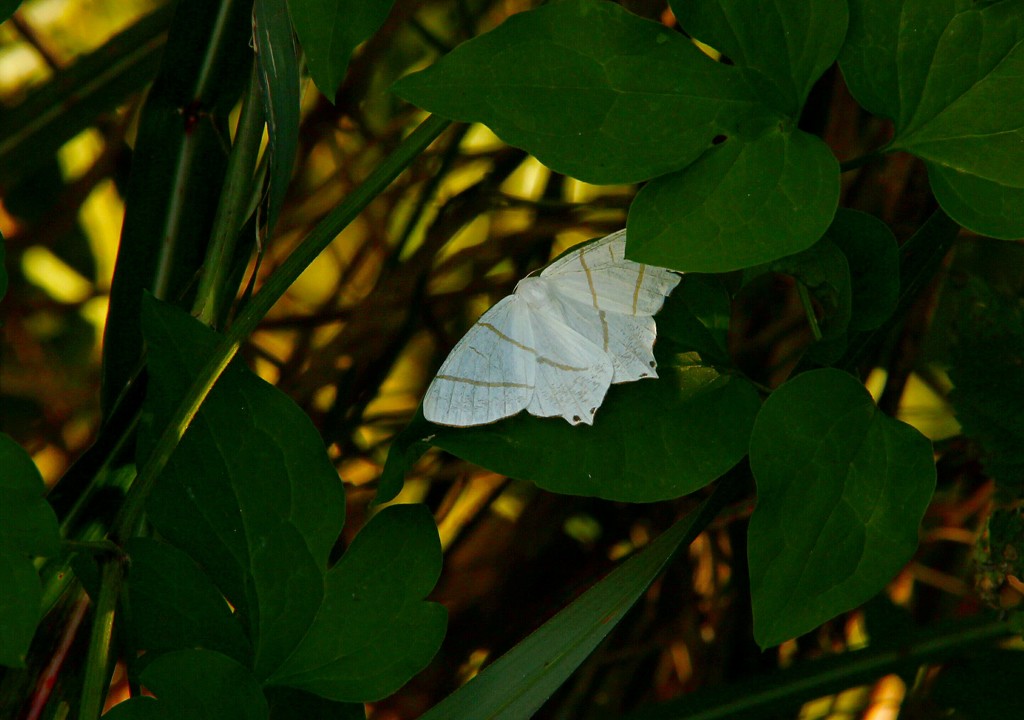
[738, 142]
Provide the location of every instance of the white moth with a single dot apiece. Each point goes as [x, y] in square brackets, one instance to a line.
[555, 345]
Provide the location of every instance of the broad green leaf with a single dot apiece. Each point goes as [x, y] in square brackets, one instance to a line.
[985, 206]
[519, 682]
[372, 632]
[591, 90]
[781, 47]
[251, 496]
[329, 30]
[946, 72]
[873, 258]
[278, 70]
[841, 489]
[173, 605]
[696, 317]
[198, 685]
[651, 439]
[20, 602]
[28, 525]
[739, 205]
[989, 385]
[177, 174]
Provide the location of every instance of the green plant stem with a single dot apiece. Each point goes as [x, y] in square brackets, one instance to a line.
[812, 319]
[234, 202]
[779, 693]
[427, 194]
[94, 547]
[97, 660]
[317, 240]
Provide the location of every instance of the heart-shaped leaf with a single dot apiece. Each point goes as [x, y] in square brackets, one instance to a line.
[841, 489]
[589, 89]
[740, 204]
[942, 70]
[251, 496]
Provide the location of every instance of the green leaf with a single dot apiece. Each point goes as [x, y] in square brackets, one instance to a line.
[943, 72]
[986, 372]
[841, 489]
[7, 8]
[519, 682]
[372, 633]
[783, 53]
[279, 82]
[739, 205]
[696, 317]
[329, 30]
[651, 439]
[251, 495]
[173, 605]
[873, 258]
[823, 272]
[591, 90]
[198, 685]
[985, 206]
[19, 606]
[28, 525]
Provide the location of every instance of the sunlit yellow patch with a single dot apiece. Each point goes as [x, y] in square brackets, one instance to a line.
[528, 180]
[584, 529]
[512, 501]
[22, 68]
[55, 277]
[94, 310]
[101, 216]
[266, 369]
[469, 669]
[875, 383]
[413, 491]
[324, 397]
[927, 410]
[479, 138]
[707, 50]
[51, 463]
[79, 153]
[359, 471]
[886, 699]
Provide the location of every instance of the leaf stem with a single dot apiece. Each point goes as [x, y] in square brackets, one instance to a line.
[97, 661]
[94, 547]
[318, 239]
[812, 318]
[782, 692]
[234, 201]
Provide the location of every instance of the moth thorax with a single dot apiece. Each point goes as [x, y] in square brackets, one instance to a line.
[533, 290]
